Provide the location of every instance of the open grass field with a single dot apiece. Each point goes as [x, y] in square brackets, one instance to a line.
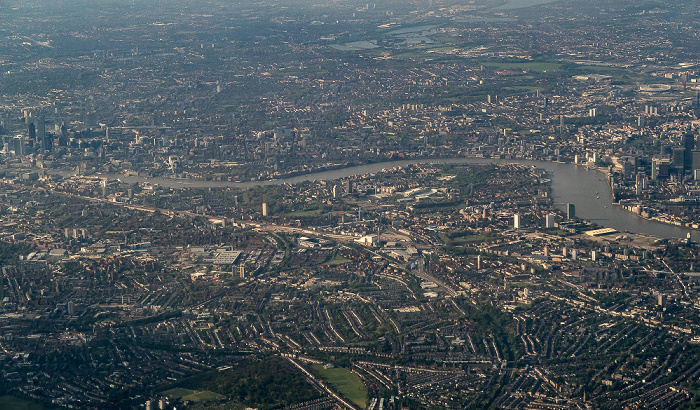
[337, 260]
[346, 383]
[192, 395]
[178, 392]
[539, 67]
[15, 403]
[303, 214]
[599, 69]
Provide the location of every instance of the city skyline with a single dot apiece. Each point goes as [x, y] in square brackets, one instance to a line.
[361, 205]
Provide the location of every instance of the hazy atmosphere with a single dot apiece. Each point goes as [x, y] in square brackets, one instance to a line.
[311, 205]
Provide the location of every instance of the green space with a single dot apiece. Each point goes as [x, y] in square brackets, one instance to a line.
[522, 88]
[536, 66]
[264, 384]
[344, 382]
[9, 253]
[204, 396]
[193, 395]
[337, 260]
[598, 69]
[15, 403]
[304, 213]
[178, 392]
[208, 395]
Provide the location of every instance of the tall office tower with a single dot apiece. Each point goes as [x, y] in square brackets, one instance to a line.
[19, 145]
[31, 130]
[689, 146]
[628, 167]
[264, 209]
[561, 125]
[570, 211]
[695, 162]
[64, 131]
[640, 183]
[90, 119]
[679, 159]
[39, 127]
[47, 143]
[549, 221]
[516, 221]
[654, 169]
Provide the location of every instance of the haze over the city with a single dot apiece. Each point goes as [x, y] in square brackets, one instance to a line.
[486, 204]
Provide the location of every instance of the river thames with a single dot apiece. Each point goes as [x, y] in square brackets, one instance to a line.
[586, 188]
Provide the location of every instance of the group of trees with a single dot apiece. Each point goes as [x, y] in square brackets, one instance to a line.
[266, 384]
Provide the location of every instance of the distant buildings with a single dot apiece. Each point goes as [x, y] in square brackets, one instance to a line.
[549, 221]
[370, 240]
[688, 146]
[662, 300]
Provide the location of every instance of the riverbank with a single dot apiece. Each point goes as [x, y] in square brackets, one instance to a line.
[629, 208]
[570, 183]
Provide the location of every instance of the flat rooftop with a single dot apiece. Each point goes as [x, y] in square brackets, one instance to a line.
[601, 232]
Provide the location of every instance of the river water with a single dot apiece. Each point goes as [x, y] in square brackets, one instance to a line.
[586, 188]
[519, 4]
